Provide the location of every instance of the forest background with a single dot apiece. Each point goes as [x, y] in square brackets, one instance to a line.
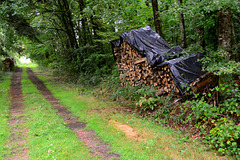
[72, 38]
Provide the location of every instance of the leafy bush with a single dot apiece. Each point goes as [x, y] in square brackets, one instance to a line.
[135, 93]
[225, 137]
[220, 63]
[147, 103]
[220, 124]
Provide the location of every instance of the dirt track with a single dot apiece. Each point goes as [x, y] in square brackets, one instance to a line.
[18, 141]
[97, 146]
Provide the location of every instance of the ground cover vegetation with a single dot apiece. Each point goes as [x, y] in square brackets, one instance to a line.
[129, 135]
[72, 39]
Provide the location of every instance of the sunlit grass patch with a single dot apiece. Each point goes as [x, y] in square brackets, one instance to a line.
[5, 102]
[28, 64]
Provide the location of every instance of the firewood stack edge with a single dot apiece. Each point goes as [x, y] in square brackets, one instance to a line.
[135, 70]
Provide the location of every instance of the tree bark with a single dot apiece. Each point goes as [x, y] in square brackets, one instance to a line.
[67, 21]
[96, 36]
[95, 27]
[235, 44]
[83, 21]
[224, 30]
[156, 16]
[200, 36]
[182, 27]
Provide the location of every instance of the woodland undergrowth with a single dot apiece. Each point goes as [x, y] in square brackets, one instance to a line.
[195, 114]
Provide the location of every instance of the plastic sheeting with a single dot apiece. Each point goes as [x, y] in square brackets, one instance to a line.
[184, 69]
[148, 43]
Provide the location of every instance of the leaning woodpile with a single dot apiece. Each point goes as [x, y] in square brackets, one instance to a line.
[135, 70]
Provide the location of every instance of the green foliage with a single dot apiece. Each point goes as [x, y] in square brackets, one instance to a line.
[225, 137]
[201, 111]
[147, 103]
[71, 39]
[220, 63]
[220, 124]
[133, 93]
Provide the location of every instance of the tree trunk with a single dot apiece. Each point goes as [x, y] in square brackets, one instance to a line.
[235, 44]
[96, 36]
[67, 21]
[224, 30]
[182, 27]
[94, 27]
[83, 21]
[156, 18]
[200, 37]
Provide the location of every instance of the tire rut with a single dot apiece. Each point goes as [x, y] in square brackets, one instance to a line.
[18, 142]
[97, 146]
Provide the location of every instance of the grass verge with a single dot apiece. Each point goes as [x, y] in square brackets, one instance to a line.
[5, 102]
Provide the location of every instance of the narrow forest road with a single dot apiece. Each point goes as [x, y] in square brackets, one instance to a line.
[51, 120]
[97, 146]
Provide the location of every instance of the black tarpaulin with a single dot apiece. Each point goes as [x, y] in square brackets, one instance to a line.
[184, 69]
[148, 43]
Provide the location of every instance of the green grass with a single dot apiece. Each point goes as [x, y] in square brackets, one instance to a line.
[155, 141]
[5, 102]
[48, 136]
[29, 64]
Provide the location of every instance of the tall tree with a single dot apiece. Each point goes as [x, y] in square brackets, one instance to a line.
[68, 23]
[83, 21]
[225, 29]
[156, 16]
[182, 27]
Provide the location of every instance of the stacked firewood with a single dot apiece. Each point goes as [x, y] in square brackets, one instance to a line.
[135, 70]
[8, 64]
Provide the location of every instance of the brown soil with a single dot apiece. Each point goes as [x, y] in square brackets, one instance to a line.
[18, 141]
[98, 147]
[127, 130]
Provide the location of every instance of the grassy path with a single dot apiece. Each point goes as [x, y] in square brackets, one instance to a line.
[51, 136]
[97, 146]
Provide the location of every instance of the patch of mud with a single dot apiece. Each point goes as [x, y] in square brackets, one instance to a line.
[98, 147]
[18, 143]
[127, 130]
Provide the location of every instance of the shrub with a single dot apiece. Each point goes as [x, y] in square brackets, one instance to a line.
[225, 137]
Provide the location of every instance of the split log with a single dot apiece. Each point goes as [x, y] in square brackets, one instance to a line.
[140, 60]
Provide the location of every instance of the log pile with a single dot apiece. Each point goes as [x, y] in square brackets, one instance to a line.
[135, 70]
[8, 64]
[204, 83]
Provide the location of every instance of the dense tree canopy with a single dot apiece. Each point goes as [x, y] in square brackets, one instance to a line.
[74, 35]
